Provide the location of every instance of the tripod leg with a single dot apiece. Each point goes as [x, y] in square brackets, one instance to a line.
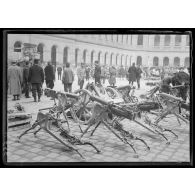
[137, 138]
[85, 131]
[89, 143]
[70, 147]
[95, 128]
[35, 133]
[25, 132]
[124, 141]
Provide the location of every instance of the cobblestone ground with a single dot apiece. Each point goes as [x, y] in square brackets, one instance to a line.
[45, 148]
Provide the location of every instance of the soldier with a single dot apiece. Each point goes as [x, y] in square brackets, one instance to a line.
[59, 69]
[132, 74]
[138, 75]
[97, 73]
[81, 75]
[49, 75]
[68, 78]
[36, 78]
[15, 81]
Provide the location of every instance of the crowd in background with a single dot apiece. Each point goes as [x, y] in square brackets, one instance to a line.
[24, 77]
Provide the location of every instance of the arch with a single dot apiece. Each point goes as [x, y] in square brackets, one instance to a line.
[176, 61]
[106, 58]
[126, 60]
[117, 38]
[177, 40]
[140, 40]
[17, 46]
[187, 62]
[139, 60]
[122, 60]
[53, 54]
[167, 40]
[157, 40]
[76, 56]
[65, 55]
[111, 58]
[155, 61]
[165, 61]
[99, 57]
[92, 56]
[84, 55]
[117, 60]
[40, 51]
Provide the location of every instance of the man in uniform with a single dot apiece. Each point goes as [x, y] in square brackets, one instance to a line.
[36, 78]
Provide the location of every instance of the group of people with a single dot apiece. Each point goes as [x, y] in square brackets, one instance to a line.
[134, 74]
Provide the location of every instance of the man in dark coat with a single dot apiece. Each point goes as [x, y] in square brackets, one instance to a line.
[59, 69]
[36, 78]
[25, 80]
[49, 76]
[97, 73]
[68, 78]
[138, 75]
[132, 74]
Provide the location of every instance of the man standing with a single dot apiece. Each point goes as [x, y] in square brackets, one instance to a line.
[132, 74]
[81, 75]
[138, 75]
[97, 73]
[36, 78]
[25, 80]
[68, 78]
[49, 76]
[87, 73]
[15, 81]
[59, 69]
[103, 74]
[113, 72]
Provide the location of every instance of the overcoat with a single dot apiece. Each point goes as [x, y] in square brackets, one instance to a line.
[15, 80]
[132, 73]
[112, 79]
[68, 76]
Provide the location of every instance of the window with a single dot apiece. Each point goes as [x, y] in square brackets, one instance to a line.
[177, 40]
[176, 61]
[84, 55]
[65, 55]
[139, 60]
[187, 62]
[53, 55]
[76, 56]
[17, 46]
[165, 61]
[157, 40]
[40, 51]
[140, 40]
[155, 61]
[167, 40]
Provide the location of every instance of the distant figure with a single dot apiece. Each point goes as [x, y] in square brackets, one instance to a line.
[97, 73]
[15, 81]
[59, 69]
[132, 74]
[68, 78]
[25, 80]
[87, 70]
[162, 74]
[49, 76]
[103, 74]
[54, 69]
[138, 75]
[112, 72]
[36, 78]
[81, 75]
[123, 72]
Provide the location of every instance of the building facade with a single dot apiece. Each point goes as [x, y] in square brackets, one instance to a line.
[108, 49]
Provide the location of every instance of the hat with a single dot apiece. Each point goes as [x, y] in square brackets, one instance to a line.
[13, 62]
[96, 62]
[36, 61]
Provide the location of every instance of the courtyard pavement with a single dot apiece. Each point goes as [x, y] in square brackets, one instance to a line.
[44, 148]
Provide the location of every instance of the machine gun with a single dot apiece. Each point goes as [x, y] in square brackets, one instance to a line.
[68, 140]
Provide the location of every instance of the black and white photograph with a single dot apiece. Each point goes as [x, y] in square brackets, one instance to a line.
[98, 96]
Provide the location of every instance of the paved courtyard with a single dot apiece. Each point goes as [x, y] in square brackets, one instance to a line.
[44, 148]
